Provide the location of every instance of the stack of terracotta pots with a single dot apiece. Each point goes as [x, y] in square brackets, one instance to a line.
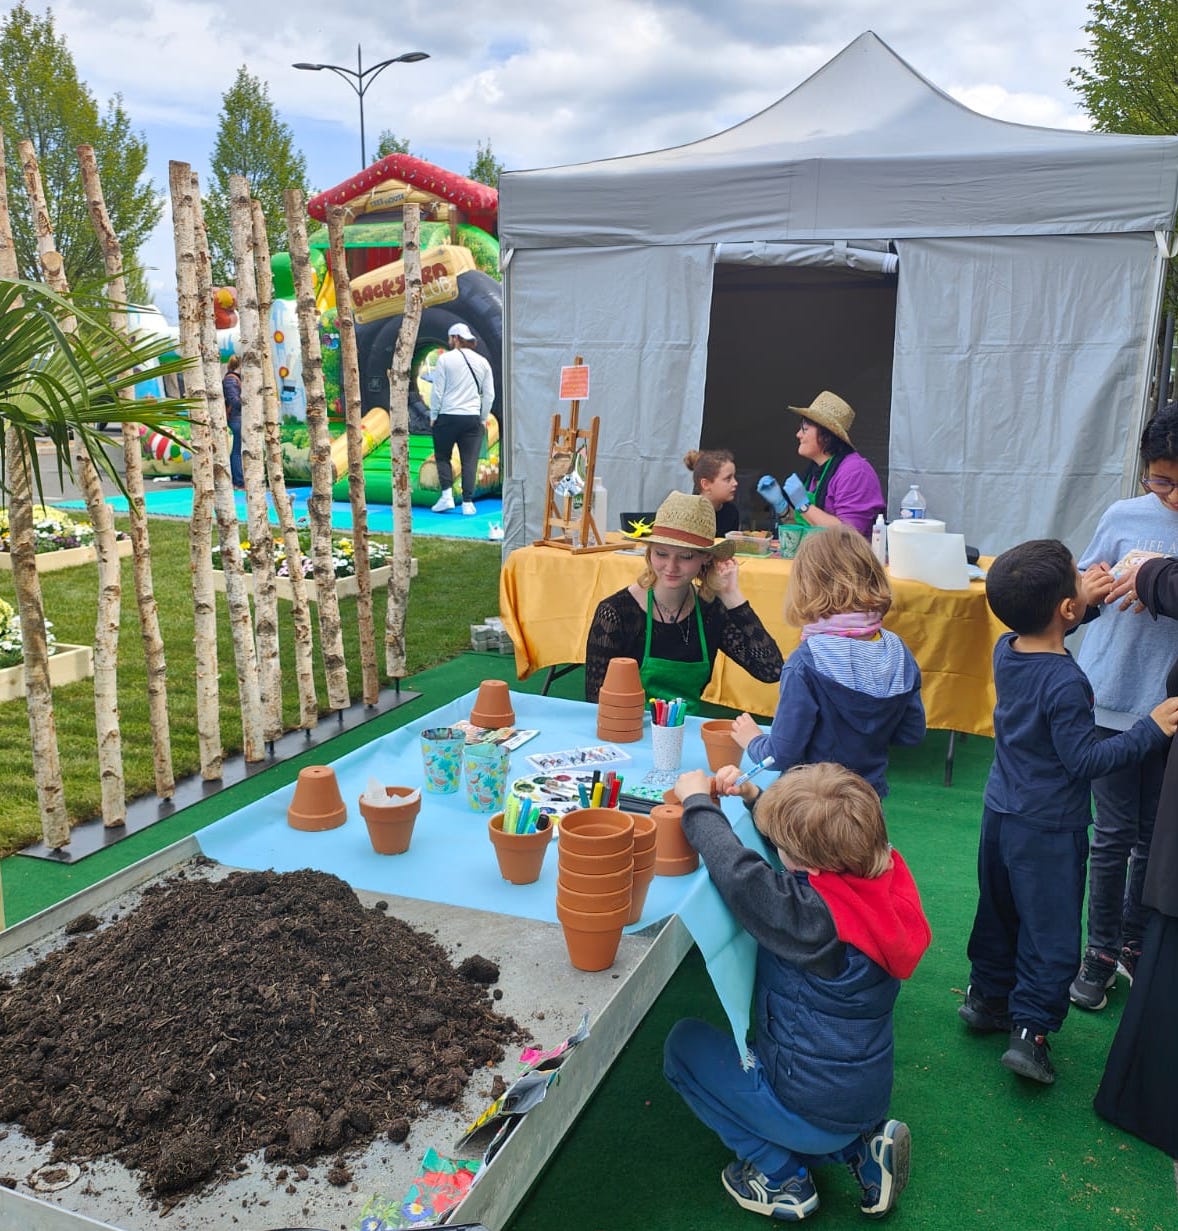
[621, 704]
[492, 706]
[720, 744]
[595, 856]
[674, 855]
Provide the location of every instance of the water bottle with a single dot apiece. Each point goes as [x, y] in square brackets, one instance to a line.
[879, 540]
[599, 506]
[913, 505]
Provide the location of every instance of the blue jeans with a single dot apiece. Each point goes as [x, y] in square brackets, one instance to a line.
[1025, 944]
[235, 450]
[1126, 805]
[703, 1064]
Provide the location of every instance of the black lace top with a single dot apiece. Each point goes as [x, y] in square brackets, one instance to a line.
[619, 631]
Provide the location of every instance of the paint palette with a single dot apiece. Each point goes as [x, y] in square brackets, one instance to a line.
[554, 794]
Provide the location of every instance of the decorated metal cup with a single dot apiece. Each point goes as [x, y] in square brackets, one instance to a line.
[486, 776]
[441, 755]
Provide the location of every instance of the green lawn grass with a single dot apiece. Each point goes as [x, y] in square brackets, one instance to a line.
[457, 585]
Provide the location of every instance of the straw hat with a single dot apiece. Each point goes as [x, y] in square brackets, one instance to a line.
[690, 522]
[829, 410]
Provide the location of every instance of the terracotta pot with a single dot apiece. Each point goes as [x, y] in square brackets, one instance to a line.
[622, 676]
[592, 903]
[609, 696]
[492, 705]
[645, 833]
[620, 713]
[390, 826]
[675, 856]
[317, 803]
[639, 890]
[583, 882]
[592, 939]
[594, 865]
[719, 744]
[628, 733]
[597, 831]
[520, 855]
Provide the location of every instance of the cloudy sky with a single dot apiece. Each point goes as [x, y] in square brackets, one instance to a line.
[544, 81]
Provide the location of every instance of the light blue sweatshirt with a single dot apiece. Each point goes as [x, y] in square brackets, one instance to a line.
[1126, 656]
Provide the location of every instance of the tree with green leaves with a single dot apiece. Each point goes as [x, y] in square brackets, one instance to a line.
[42, 101]
[253, 142]
[390, 143]
[1129, 84]
[486, 168]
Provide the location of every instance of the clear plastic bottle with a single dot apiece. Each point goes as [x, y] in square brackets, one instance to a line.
[913, 505]
[599, 506]
[879, 540]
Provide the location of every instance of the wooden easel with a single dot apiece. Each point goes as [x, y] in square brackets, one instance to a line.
[561, 529]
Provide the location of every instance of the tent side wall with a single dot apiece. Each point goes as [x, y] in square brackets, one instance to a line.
[1020, 380]
[639, 317]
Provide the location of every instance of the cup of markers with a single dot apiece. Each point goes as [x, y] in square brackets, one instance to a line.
[666, 733]
[601, 791]
[521, 833]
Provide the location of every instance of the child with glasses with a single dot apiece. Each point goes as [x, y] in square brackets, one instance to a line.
[1126, 659]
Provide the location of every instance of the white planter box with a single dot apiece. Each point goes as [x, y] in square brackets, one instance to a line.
[70, 664]
[345, 587]
[68, 557]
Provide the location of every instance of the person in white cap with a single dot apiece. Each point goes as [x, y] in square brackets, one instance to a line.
[461, 399]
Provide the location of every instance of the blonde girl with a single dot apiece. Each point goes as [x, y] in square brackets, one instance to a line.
[851, 688]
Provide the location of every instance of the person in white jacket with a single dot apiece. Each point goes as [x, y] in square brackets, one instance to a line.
[463, 392]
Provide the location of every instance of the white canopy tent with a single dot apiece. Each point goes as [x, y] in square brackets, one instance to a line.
[1013, 349]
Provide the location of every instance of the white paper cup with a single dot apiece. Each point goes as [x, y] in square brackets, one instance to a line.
[668, 747]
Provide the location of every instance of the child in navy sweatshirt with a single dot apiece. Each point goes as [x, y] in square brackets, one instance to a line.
[836, 931]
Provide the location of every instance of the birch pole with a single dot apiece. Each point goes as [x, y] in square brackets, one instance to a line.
[304, 642]
[110, 572]
[55, 826]
[350, 372]
[398, 599]
[331, 639]
[253, 467]
[149, 622]
[200, 528]
[241, 626]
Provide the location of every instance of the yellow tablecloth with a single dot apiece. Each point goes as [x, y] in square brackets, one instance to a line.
[547, 597]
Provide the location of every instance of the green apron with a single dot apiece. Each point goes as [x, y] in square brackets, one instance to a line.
[798, 518]
[667, 679]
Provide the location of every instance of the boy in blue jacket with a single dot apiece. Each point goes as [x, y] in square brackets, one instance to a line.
[836, 931]
[1025, 944]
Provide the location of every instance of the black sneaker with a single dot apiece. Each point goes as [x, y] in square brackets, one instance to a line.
[1098, 972]
[1026, 1055]
[1127, 962]
[985, 1014]
[882, 1169]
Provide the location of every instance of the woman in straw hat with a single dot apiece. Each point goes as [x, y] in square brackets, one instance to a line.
[839, 485]
[685, 607]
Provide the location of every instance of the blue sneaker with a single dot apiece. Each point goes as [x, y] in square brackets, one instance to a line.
[790, 1200]
[882, 1168]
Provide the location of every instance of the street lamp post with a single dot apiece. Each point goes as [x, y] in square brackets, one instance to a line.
[360, 78]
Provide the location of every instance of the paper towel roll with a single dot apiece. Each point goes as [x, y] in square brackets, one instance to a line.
[929, 525]
[936, 559]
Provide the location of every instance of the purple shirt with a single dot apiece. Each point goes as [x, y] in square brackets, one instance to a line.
[854, 495]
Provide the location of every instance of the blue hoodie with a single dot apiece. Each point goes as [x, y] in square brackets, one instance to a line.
[845, 700]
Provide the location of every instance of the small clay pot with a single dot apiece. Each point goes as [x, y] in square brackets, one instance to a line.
[623, 713]
[520, 855]
[592, 938]
[390, 826]
[317, 803]
[675, 856]
[492, 705]
[609, 696]
[619, 733]
[639, 890]
[592, 902]
[608, 882]
[594, 865]
[597, 831]
[719, 744]
[622, 675]
[645, 833]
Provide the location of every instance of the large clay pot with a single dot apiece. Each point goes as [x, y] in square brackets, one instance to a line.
[520, 855]
[719, 744]
[675, 856]
[621, 675]
[595, 865]
[390, 826]
[317, 803]
[492, 705]
[596, 831]
[592, 902]
[592, 938]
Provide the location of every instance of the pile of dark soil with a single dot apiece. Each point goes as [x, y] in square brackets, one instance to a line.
[262, 1011]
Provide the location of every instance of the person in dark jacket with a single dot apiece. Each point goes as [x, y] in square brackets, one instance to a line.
[836, 930]
[231, 391]
[1139, 1090]
[852, 688]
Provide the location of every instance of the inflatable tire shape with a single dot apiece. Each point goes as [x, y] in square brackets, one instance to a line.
[479, 305]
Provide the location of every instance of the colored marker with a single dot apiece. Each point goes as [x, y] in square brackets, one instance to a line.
[763, 763]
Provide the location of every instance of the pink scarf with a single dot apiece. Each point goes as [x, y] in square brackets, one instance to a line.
[864, 624]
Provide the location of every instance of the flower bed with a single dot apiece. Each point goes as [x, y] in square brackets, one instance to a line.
[345, 587]
[67, 663]
[61, 541]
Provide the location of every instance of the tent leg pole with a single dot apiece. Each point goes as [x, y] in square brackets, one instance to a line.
[1164, 367]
